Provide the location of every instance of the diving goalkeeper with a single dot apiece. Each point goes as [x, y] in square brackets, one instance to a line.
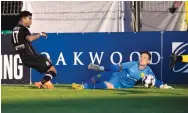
[125, 75]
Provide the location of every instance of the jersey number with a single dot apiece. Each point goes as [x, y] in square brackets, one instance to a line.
[15, 36]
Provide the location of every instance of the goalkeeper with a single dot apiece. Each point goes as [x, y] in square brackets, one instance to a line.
[125, 75]
[175, 58]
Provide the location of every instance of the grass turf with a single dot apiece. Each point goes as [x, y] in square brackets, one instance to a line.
[26, 99]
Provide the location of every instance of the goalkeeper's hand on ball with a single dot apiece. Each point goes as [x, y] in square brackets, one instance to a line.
[165, 86]
[95, 67]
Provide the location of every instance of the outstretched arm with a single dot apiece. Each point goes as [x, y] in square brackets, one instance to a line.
[31, 38]
[158, 83]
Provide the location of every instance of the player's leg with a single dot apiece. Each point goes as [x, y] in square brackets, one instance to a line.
[88, 84]
[48, 76]
[95, 79]
[174, 59]
[99, 78]
[43, 65]
[99, 85]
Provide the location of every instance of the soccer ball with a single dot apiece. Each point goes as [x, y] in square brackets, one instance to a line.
[148, 81]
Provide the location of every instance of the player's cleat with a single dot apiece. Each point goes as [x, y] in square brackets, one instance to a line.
[49, 85]
[39, 85]
[173, 59]
[77, 86]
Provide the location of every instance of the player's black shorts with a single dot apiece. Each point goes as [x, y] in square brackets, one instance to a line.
[39, 62]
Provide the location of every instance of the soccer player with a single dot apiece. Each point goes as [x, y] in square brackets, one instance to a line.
[125, 75]
[22, 42]
[174, 59]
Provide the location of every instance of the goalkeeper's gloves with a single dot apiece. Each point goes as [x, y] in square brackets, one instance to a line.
[165, 86]
[95, 67]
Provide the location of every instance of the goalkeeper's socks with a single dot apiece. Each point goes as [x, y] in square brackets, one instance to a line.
[88, 86]
[94, 79]
[97, 78]
[100, 85]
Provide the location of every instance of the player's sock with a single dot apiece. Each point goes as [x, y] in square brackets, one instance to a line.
[48, 76]
[100, 85]
[45, 79]
[184, 58]
[88, 86]
[94, 79]
[97, 78]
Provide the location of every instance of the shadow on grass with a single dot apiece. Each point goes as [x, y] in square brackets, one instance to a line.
[67, 86]
[148, 104]
[56, 86]
[146, 91]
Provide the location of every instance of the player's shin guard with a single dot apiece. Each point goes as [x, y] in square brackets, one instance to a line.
[184, 58]
[48, 76]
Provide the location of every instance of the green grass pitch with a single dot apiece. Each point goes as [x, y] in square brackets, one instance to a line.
[63, 99]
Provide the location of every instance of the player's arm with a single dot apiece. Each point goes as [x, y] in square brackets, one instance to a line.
[31, 38]
[158, 83]
[114, 68]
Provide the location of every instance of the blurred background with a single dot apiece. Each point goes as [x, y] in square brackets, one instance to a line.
[98, 16]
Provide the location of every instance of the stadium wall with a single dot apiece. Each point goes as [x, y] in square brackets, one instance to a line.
[72, 52]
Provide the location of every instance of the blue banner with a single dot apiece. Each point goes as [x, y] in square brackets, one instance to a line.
[72, 52]
[175, 42]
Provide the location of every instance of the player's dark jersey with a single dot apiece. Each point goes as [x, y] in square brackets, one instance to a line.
[27, 53]
[21, 45]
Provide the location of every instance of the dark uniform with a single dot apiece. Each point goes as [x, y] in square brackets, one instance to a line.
[27, 53]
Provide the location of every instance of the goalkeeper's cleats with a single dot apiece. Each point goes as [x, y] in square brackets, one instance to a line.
[173, 59]
[77, 86]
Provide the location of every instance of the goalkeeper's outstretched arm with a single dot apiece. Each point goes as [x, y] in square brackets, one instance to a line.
[158, 83]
